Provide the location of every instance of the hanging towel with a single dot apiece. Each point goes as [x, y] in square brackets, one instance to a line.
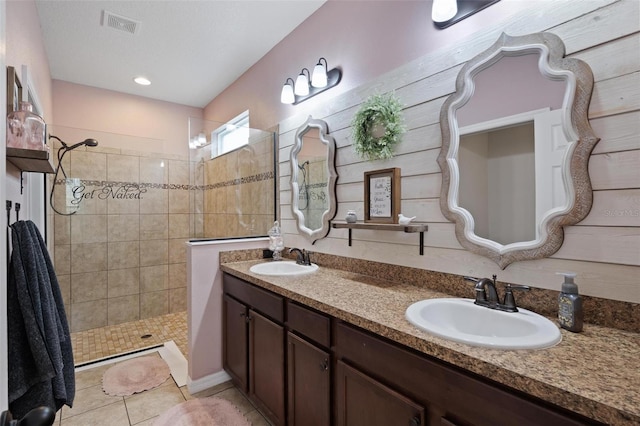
[41, 369]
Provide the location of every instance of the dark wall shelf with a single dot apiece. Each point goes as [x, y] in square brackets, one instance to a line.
[30, 160]
[411, 228]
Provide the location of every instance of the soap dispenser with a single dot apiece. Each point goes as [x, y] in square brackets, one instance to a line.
[570, 315]
[276, 242]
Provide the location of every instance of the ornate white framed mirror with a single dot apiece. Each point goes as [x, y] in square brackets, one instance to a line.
[313, 179]
[516, 142]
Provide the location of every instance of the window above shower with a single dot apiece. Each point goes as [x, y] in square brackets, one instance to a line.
[230, 136]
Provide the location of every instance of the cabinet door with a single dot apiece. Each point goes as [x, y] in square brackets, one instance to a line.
[363, 401]
[234, 356]
[266, 366]
[309, 379]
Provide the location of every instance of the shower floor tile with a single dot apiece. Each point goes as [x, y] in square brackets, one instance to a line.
[98, 343]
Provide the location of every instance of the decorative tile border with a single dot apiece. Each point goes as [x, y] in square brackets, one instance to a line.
[143, 185]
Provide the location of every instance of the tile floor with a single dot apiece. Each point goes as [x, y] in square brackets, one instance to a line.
[92, 407]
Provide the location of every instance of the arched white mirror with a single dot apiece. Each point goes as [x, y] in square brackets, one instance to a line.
[313, 179]
[516, 142]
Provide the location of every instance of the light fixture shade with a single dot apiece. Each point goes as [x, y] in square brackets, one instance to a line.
[286, 96]
[443, 10]
[319, 76]
[301, 87]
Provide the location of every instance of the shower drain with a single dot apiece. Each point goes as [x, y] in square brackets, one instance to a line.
[146, 336]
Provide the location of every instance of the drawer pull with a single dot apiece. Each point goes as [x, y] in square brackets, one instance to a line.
[415, 421]
[324, 366]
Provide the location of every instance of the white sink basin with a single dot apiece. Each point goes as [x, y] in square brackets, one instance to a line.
[283, 268]
[462, 321]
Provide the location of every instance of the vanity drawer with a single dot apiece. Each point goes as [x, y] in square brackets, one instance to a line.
[309, 323]
[264, 301]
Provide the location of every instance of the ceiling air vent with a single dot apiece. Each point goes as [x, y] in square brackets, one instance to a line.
[119, 22]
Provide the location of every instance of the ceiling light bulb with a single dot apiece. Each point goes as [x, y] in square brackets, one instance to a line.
[287, 96]
[301, 87]
[142, 81]
[319, 76]
[443, 10]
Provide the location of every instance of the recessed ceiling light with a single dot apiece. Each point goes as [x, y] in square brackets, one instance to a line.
[142, 81]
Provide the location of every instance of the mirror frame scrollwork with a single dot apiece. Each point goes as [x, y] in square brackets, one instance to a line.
[314, 234]
[554, 65]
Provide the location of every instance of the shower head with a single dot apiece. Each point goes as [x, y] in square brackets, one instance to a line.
[87, 142]
[301, 166]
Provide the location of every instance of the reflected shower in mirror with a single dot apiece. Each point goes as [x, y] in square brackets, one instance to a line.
[313, 179]
[516, 143]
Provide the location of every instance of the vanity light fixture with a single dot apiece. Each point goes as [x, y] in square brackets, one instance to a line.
[301, 87]
[443, 10]
[287, 96]
[445, 13]
[308, 85]
[142, 81]
[319, 76]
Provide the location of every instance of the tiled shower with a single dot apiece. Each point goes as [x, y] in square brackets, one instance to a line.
[122, 256]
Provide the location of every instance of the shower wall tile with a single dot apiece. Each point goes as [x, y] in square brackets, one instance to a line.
[178, 172]
[154, 227]
[155, 200]
[123, 309]
[154, 278]
[64, 281]
[123, 168]
[154, 304]
[88, 315]
[178, 226]
[88, 165]
[88, 257]
[62, 259]
[177, 250]
[154, 252]
[153, 170]
[125, 227]
[177, 300]
[123, 206]
[123, 282]
[125, 254]
[88, 286]
[177, 275]
[88, 229]
[62, 229]
[178, 201]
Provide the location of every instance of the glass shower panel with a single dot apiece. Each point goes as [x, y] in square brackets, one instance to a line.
[233, 194]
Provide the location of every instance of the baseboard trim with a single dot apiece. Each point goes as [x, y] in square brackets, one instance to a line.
[207, 382]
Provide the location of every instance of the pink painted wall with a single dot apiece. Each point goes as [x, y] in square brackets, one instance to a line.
[25, 47]
[102, 110]
[363, 38]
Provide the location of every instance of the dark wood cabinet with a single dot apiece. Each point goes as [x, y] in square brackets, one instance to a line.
[363, 401]
[253, 340]
[301, 367]
[266, 366]
[309, 383]
[235, 355]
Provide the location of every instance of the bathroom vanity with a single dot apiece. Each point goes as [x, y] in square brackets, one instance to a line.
[333, 347]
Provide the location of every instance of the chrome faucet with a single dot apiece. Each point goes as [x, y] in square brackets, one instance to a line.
[302, 256]
[491, 300]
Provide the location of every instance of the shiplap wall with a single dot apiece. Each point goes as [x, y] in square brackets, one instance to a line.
[604, 249]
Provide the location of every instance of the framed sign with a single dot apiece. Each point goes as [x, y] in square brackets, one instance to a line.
[14, 90]
[382, 195]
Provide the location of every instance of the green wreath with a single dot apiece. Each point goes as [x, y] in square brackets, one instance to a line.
[378, 110]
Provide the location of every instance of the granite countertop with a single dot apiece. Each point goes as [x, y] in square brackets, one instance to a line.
[595, 373]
